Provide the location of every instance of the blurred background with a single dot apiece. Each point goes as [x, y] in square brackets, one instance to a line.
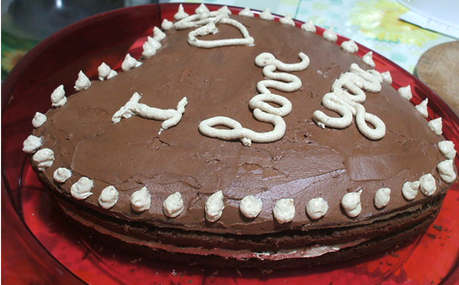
[401, 30]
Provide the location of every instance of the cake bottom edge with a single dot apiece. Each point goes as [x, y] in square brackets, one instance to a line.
[314, 255]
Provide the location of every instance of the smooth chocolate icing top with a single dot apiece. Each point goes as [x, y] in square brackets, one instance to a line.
[308, 162]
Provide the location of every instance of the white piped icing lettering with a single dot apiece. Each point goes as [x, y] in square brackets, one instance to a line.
[284, 211]
[130, 63]
[32, 143]
[208, 18]
[236, 131]
[43, 158]
[382, 197]
[436, 125]
[140, 200]
[350, 46]
[447, 149]
[351, 203]
[446, 170]
[250, 206]
[58, 98]
[81, 189]
[170, 117]
[108, 197]
[427, 184]
[105, 72]
[262, 110]
[317, 208]
[422, 108]
[266, 15]
[309, 27]
[368, 59]
[62, 174]
[173, 205]
[330, 35]
[405, 92]
[410, 190]
[196, 20]
[158, 34]
[287, 21]
[214, 207]
[167, 25]
[346, 99]
[181, 14]
[246, 12]
[38, 120]
[82, 82]
[268, 61]
[211, 28]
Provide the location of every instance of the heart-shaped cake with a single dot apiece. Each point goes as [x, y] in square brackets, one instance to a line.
[244, 140]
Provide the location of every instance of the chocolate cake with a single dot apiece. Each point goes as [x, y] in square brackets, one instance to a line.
[244, 140]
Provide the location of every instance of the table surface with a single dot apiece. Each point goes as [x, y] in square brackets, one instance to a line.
[374, 24]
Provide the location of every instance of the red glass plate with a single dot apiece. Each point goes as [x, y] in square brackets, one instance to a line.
[66, 255]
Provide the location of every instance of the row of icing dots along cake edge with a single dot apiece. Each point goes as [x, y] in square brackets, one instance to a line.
[44, 157]
[250, 206]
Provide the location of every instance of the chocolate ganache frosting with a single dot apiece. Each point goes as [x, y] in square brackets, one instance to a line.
[309, 161]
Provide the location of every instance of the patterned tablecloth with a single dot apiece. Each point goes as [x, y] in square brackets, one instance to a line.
[374, 24]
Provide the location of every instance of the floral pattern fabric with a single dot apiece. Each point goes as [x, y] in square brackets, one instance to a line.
[375, 24]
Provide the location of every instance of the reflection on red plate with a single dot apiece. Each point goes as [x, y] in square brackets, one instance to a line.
[68, 255]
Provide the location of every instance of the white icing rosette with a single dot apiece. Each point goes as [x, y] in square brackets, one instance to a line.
[82, 188]
[284, 210]
[446, 170]
[427, 184]
[32, 143]
[43, 158]
[317, 208]
[410, 190]
[173, 205]
[140, 200]
[351, 203]
[62, 174]
[382, 197]
[108, 197]
[447, 149]
[214, 206]
[250, 206]
[38, 120]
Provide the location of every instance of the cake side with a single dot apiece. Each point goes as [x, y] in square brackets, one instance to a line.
[304, 248]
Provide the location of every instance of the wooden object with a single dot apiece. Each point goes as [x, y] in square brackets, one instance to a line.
[438, 68]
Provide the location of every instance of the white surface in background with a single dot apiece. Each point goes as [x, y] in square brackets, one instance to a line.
[440, 16]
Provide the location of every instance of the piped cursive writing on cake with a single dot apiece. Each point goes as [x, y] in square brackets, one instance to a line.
[347, 98]
[262, 110]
